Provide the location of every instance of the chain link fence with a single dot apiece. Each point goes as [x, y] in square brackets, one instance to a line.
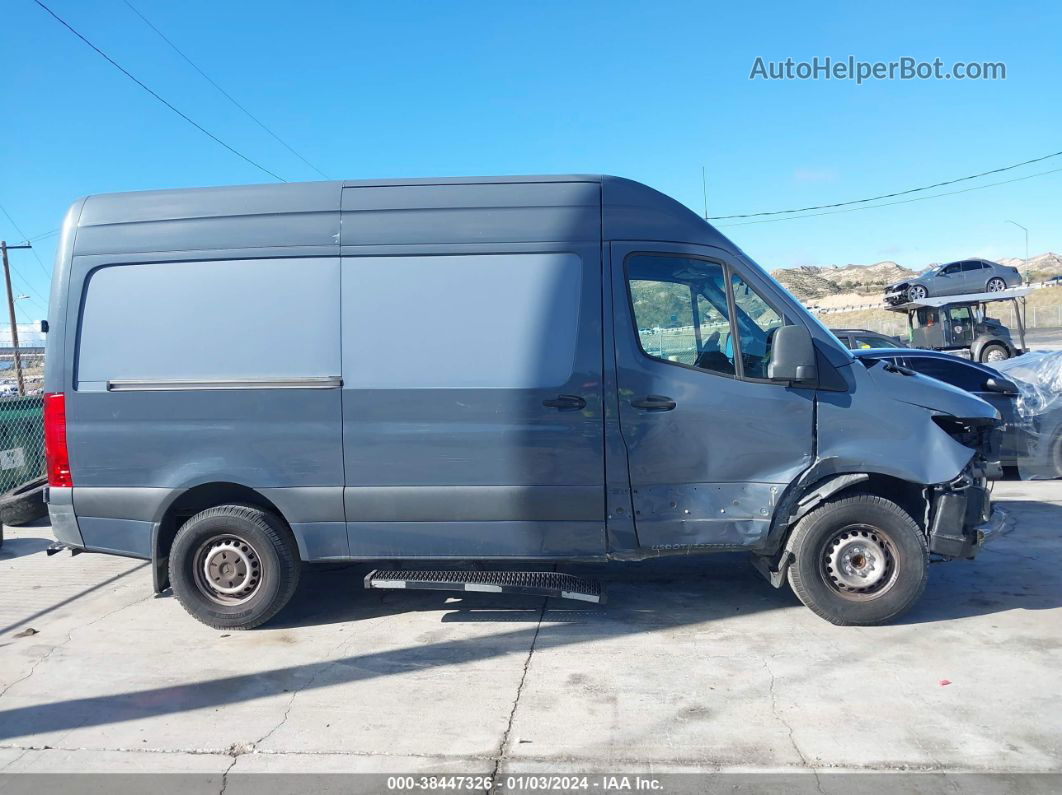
[21, 419]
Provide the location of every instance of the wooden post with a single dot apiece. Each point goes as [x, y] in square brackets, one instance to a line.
[11, 314]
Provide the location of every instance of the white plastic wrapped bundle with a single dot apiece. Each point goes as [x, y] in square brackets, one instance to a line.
[1038, 376]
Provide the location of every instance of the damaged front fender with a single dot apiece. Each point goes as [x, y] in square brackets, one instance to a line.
[884, 424]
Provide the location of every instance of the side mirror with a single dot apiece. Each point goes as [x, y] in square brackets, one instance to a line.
[792, 356]
[1001, 385]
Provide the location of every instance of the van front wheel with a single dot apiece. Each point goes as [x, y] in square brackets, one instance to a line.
[234, 566]
[859, 560]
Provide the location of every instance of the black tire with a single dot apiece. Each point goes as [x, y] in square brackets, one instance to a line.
[1054, 457]
[24, 503]
[262, 554]
[994, 352]
[995, 284]
[838, 532]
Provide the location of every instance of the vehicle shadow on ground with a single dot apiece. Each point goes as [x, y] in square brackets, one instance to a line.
[655, 596]
[18, 547]
[1015, 572]
[645, 602]
[713, 587]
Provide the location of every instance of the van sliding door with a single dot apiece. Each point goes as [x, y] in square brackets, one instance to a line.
[472, 403]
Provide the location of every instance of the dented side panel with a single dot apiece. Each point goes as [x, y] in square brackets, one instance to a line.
[882, 426]
[705, 474]
[704, 515]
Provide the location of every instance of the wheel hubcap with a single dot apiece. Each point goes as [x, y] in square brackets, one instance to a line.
[995, 356]
[995, 286]
[918, 292]
[858, 560]
[227, 570]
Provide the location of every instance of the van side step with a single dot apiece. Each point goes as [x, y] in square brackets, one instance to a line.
[534, 583]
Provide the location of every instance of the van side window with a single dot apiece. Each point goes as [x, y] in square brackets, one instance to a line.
[681, 313]
[479, 321]
[756, 322]
[210, 320]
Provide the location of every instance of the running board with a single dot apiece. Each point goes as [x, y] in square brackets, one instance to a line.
[533, 583]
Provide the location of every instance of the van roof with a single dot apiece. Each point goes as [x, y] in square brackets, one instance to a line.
[532, 208]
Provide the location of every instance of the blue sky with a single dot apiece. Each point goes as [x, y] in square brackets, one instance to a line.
[651, 91]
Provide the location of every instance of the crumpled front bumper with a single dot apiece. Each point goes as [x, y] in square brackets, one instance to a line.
[896, 295]
[963, 518]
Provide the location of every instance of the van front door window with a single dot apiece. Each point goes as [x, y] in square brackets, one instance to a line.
[681, 311]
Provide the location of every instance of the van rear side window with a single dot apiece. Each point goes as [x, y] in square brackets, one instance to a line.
[481, 321]
[220, 320]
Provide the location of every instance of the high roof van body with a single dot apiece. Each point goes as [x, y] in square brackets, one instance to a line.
[546, 369]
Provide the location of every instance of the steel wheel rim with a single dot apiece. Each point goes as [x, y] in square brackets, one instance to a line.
[227, 569]
[996, 355]
[918, 292]
[859, 562]
[995, 285]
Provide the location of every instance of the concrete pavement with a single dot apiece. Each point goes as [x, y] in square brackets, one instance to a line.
[692, 665]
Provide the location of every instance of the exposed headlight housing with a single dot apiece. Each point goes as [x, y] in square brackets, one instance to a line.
[982, 434]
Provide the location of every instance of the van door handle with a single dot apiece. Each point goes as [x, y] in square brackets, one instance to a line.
[565, 403]
[654, 403]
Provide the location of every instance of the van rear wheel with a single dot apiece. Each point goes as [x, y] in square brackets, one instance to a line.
[859, 560]
[234, 566]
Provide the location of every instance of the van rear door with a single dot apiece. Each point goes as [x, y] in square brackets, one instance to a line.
[711, 443]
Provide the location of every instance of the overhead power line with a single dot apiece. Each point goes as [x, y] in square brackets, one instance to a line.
[223, 92]
[136, 80]
[890, 204]
[888, 195]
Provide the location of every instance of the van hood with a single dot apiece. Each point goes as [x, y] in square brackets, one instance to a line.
[907, 386]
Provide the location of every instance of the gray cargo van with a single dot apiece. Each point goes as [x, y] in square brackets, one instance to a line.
[562, 368]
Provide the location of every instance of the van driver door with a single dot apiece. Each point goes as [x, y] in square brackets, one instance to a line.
[711, 443]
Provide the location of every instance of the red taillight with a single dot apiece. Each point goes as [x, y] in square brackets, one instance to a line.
[55, 452]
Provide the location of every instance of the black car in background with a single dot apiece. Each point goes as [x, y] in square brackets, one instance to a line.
[1034, 445]
[859, 338]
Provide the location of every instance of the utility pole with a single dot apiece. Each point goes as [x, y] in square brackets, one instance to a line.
[704, 190]
[11, 313]
[1026, 231]
[1025, 270]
